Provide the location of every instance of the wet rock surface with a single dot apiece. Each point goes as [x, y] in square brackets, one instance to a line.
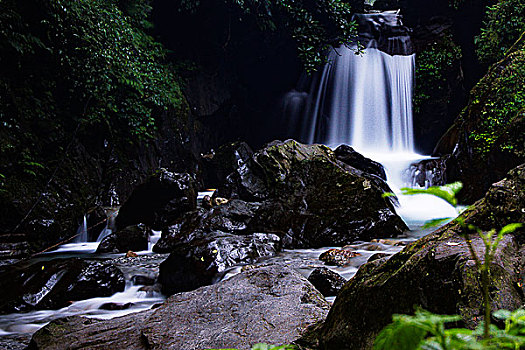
[227, 159]
[326, 281]
[54, 284]
[162, 198]
[134, 238]
[309, 197]
[436, 272]
[348, 155]
[271, 304]
[339, 257]
[199, 262]
[286, 195]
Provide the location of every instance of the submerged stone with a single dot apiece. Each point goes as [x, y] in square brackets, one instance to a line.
[56, 283]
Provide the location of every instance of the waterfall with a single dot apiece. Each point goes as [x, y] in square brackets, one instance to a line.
[82, 232]
[363, 97]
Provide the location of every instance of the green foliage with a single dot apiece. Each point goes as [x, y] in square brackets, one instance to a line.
[498, 102]
[504, 23]
[432, 67]
[447, 192]
[77, 65]
[315, 25]
[427, 331]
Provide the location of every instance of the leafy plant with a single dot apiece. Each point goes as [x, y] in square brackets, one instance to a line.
[77, 65]
[428, 331]
[433, 65]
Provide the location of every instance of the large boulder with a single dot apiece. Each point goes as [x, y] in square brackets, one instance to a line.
[200, 261]
[54, 284]
[134, 238]
[437, 273]
[271, 304]
[311, 198]
[162, 198]
[487, 139]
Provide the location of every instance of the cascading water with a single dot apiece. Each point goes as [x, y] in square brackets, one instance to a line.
[363, 97]
[82, 232]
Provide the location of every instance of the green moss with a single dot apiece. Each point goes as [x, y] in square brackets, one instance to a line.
[497, 106]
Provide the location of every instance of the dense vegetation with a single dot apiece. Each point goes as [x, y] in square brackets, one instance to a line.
[505, 21]
[70, 65]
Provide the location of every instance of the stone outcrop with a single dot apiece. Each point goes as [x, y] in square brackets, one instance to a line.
[312, 199]
[270, 304]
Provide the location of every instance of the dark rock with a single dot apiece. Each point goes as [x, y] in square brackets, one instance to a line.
[270, 304]
[326, 281]
[13, 247]
[131, 238]
[339, 257]
[377, 256]
[303, 193]
[348, 155]
[142, 280]
[198, 263]
[54, 284]
[233, 217]
[115, 306]
[436, 272]
[313, 199]
[227, 159]
[162, 198]
[428, 172]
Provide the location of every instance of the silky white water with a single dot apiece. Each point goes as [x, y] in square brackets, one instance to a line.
[364, 99]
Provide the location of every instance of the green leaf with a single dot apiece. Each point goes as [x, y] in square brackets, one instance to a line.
[435, 222]
[510, 228]
[447, 192]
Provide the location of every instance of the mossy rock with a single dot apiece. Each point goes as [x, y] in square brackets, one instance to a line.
[487, 139]
[436, 272]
